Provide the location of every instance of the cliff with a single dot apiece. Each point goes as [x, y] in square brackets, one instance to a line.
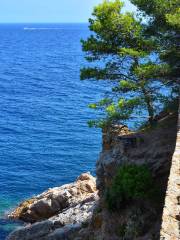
[138, 219]
[76, 212]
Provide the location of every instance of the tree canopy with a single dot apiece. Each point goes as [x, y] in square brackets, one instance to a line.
[137, 54]
[164, 25]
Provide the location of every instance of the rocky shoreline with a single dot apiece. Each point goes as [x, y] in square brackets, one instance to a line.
[59, 213]
[78, 211]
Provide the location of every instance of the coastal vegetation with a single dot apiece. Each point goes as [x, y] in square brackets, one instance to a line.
[131, 182]
[137, 54]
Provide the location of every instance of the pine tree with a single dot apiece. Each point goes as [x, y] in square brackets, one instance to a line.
[125, 55]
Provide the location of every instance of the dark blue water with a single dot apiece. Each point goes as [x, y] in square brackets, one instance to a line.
[44, 137]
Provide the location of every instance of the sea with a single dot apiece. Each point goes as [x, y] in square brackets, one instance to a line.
[44, 137]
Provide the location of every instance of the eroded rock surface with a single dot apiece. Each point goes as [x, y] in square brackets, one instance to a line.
[58, 213]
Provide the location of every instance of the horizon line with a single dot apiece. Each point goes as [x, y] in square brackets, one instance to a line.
[44, 22]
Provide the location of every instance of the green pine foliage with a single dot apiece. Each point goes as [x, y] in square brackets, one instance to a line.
[163, 24]
[128, 52]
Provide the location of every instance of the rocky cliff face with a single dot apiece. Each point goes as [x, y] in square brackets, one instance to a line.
[75, 212]
[138, 219]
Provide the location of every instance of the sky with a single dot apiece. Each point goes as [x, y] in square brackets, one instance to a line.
[48, 11]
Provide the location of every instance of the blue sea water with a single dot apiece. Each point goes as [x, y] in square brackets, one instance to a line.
[44, 137]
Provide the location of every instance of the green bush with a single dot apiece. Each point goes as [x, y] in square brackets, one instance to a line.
[131, 182]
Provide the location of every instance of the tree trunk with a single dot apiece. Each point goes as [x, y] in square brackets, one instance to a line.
[149, 106]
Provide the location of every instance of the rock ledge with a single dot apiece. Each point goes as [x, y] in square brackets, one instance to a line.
[58, 213]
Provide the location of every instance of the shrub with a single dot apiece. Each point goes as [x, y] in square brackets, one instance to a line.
[130, 183]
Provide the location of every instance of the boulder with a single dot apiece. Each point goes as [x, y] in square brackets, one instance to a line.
[59, 213]
[55, 200]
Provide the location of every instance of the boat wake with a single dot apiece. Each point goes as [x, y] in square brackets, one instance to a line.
[35, 29]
